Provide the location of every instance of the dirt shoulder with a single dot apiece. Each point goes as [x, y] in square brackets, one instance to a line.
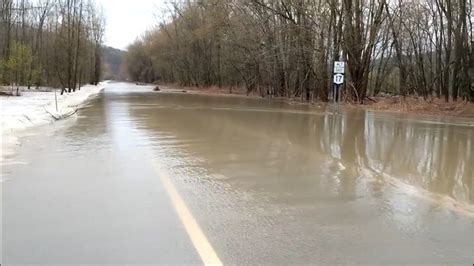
[395, 104]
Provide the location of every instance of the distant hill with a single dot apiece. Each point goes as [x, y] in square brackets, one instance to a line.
[113, 59]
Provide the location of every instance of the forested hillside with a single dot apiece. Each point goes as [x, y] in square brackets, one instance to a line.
[287, 47]
[50, 43]
[113, 59]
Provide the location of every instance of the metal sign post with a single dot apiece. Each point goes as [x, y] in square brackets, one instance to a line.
[338, 79]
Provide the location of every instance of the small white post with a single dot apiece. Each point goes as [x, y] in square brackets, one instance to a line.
[56, 100]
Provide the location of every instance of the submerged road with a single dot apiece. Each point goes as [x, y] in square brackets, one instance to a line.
[166, 178]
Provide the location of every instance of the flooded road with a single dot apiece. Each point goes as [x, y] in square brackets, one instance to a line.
[264, 182]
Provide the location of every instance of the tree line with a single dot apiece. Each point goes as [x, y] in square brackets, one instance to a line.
[288, 47]
[53, 43]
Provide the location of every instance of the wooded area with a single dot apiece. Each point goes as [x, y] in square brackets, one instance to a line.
[287, 47]
[53, 43]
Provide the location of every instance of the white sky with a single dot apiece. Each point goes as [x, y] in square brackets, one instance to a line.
[128, 19]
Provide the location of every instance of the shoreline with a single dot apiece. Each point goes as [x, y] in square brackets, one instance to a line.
[37, 108]
[410, 105]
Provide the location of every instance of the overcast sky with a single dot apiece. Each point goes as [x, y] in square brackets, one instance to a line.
[128, 19]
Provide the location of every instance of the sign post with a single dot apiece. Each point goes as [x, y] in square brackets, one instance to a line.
[338, 78]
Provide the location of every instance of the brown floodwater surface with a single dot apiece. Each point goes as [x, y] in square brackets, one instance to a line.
[268, 182]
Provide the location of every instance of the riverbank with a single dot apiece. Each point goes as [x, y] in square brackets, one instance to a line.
[418, 105]
[38, 107]
[394, 104]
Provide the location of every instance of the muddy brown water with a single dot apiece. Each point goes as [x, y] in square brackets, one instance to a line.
[268, 182]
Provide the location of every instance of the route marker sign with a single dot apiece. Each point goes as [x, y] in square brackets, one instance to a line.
[339, 67]
[338, 79]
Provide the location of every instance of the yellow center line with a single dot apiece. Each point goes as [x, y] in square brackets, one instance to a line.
[201, 244]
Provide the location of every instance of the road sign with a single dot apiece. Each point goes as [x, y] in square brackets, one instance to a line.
[339, 67]
[338, 79]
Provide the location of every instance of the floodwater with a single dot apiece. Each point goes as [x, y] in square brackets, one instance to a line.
[266, 181]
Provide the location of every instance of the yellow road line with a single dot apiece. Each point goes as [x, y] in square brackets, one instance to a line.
[200, 242]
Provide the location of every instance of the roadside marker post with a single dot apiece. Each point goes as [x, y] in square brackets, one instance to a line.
[56, 101]
[338, 79]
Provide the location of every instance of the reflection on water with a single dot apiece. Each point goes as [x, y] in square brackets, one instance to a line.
[262, 139]
[438, 158]
[328, 186]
